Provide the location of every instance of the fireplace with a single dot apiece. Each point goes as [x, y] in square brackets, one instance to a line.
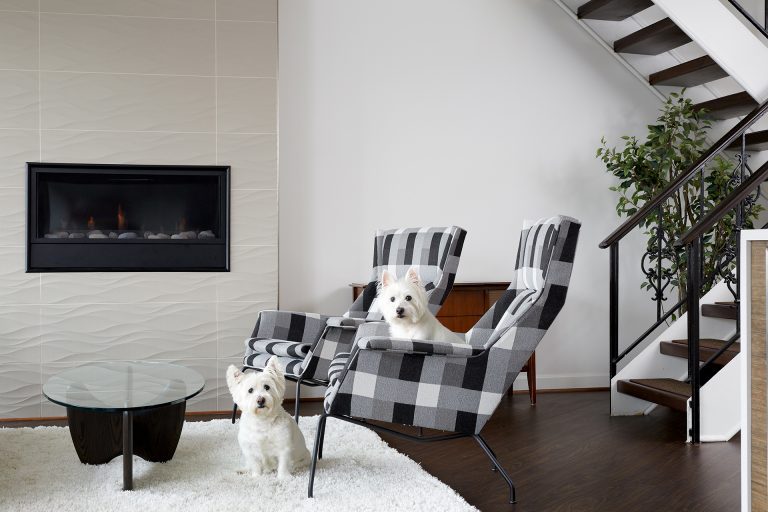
[94, 217]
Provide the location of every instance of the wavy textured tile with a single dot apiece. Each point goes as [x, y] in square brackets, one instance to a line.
[129, 147]
[92, 43]
[16, 286]
[254, 217]
[236, 321]
[253, 277]
[20, 391]
[246, 49]
[100, 332]
[20, 336]
[246, 10]
[12, 216]
[18, 99]
[128, 287]
[253, 159]
[17, 147]
[247, 105]
[18, 39]
[19, 5]
[127, 102]
[150, 8]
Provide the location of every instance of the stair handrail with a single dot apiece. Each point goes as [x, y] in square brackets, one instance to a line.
[726, 205]
[751, 19]
[644, 211]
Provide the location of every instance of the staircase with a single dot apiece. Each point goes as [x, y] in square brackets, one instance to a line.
[692, 364]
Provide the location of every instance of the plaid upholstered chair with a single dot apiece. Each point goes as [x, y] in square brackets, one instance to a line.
[307, 343]
[452, 386]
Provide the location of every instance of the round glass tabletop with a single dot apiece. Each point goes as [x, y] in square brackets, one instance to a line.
[120, 386]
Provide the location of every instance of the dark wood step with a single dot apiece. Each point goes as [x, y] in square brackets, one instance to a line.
[734, 105]
[611, 10]
[689, 74]
[727, 310]
[708, 347]
[654, 39]
[756, 141]
[668, 392]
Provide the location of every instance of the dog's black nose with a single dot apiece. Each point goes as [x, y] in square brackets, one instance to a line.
[400, 311]
[260, 401]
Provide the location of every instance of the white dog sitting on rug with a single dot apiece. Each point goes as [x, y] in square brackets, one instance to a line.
[405, 308]
[269, 437]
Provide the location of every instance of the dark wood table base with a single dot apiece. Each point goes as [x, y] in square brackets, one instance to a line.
[152, 434]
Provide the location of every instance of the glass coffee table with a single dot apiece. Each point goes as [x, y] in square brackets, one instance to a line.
[126, 408]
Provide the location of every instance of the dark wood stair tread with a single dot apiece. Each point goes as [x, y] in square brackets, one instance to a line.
[689, 74]
[611, 10]
[708, 347]
[726, 310]
[755, 141]
[668, 392]
[733, 105]
[654, 39]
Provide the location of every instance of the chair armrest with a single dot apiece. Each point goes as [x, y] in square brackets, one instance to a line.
[421, 347]
[290, 326]
[375, 329]
[346, 322]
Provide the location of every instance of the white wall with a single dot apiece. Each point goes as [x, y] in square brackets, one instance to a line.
[480, 114]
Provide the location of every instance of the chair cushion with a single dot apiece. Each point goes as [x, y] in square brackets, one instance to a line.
[291, 365]
[279, 347]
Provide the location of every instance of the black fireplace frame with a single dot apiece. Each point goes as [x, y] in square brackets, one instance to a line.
[77, 255]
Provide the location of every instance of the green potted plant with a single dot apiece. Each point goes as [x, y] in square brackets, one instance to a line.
[645, 168]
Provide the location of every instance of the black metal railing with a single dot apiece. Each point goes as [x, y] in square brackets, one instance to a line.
[692, 241]
[762, 28]
[691, 244]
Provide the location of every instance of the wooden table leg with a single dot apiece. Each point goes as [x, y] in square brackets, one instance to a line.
[127, 450]
[530, 373]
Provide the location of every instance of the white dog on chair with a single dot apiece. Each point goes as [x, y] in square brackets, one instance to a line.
[269, 437]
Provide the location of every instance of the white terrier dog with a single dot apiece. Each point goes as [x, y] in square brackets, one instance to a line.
[268, 436]
[404, 306]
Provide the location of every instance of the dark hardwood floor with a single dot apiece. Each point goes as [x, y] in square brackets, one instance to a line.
[568, 454]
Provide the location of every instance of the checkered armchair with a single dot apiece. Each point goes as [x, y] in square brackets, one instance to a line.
[457, 387]
[307, 343]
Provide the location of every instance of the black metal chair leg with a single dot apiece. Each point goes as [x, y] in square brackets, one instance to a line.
[298, 402]
[313, 465]
[322, 440]
[502, 472]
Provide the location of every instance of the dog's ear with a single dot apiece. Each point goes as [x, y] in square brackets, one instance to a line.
[387, 278]
[413, 276]
[234, 376]
[274, 369]
[273, 366]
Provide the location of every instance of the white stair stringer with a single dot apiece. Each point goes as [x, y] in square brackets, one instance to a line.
[725, 38]
[650, 363]
[720, 404]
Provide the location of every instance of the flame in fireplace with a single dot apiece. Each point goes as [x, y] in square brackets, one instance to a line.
[120, 217]
[91, 223]
[181, 226]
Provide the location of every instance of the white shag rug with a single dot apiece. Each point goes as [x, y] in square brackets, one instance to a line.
[40, 471]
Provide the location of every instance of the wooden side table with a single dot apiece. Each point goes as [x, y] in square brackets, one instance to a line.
[464, 306]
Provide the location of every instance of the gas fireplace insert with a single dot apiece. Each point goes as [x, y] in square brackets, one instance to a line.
[99, 217]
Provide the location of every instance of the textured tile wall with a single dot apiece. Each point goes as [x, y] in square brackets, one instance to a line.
[140, 81]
